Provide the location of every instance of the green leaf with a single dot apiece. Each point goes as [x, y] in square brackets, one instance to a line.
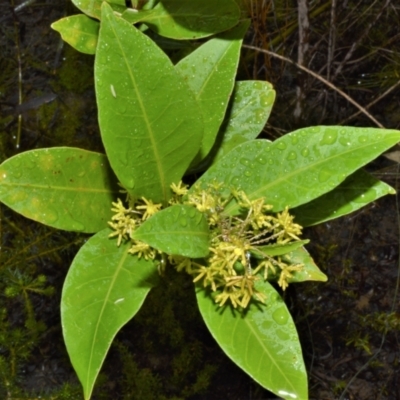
[92, 8]
[262, 341]
[179, 229]
[63, 187]
[104, 289]
[358, 190]
[278, 249]
[188, 19]
[210, 72]
[80, 31]
[149, 121]
[299, 166]
[248, 112]
[310, 271]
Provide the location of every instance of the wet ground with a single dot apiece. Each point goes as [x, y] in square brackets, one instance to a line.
[349, 326]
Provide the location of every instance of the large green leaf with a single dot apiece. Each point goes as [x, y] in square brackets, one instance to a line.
[104, 289]
[64, 187]
[92, 8]
[278, 249]
[262, 341]
[248, 112]
[309, 272]
[80, 31]
[358, 190]
[210, 72]
[299, 166]
[188, 19]
[149, 120]
[179, 229]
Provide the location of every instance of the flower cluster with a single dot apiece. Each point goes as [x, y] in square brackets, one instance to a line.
[240, 228]
[125, 220]
[236, 255]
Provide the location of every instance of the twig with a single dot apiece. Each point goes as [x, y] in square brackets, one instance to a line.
[360, 39]
[304, 26]
[331, 40]
[320, 78]
[372, 103]
[17, 45]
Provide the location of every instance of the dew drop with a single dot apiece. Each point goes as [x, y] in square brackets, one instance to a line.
[305, 152]
[264, 101]
[292, 155]
[366, 197]
[129, 183]
[17, 174]
[30, 164]
[248, 173]
[235, 180]
[281, 146]
[244, 161]
[282, 335]
[330, 137]
[362, 139]
[280, 315]
[294, 139]
[192, 213]
[258, 85]
[81, 173]
[50, 215]
[344, 141]
[262, 160]
[183, 221]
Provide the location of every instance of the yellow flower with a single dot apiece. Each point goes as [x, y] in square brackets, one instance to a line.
[142, 250]
[149, 207]
[180, 189]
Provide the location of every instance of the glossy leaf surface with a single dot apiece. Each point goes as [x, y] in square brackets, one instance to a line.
[188, 19]
[299, 166]
[279, 249]
[210, 72]
[63, 187]
[309, 272]
[149, 121]
[104, 289]
[263, 341]
[92, 8]
[358, 190]
[179, 229]
[80, 31]
[248, 112]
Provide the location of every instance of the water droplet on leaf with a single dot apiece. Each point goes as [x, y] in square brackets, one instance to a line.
[280, 315]
[262, 160]
[330, 137]
[244, 161]
[281, 146]
[183, 221]
[305, 152]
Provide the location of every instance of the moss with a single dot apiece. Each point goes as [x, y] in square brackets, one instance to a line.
[76, 71]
